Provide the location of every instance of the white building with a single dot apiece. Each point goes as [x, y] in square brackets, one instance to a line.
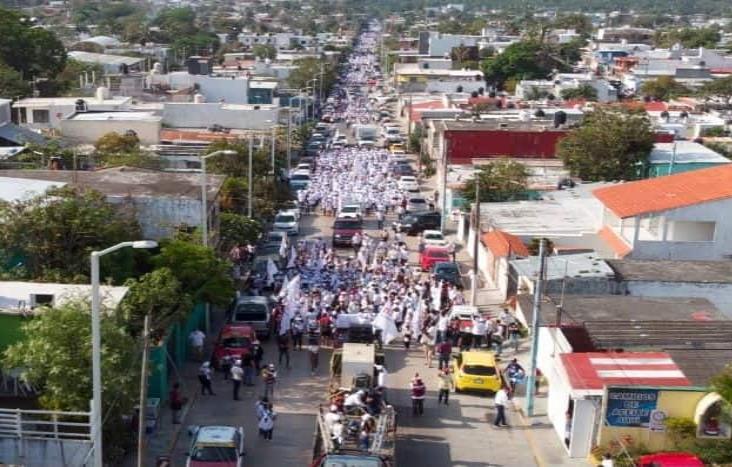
[43, 113]
[685, 216]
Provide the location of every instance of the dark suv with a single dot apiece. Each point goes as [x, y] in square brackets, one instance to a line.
[413, 224]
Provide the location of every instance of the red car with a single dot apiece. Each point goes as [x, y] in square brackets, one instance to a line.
[670, 459]
[235, 340]
[431, 255]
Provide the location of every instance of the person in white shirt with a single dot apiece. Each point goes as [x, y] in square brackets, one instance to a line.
[237, 375]
[197, 339]
[500, 401]
[478, 331]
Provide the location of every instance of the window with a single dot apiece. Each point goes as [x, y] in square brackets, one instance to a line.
[687, 231]
[41, 300]
[41, 116]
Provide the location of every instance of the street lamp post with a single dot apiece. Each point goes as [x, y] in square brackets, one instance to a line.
[97, 343]
[249, 188]
[204, 195]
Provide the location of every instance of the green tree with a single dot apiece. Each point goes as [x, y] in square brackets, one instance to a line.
[157, 294]
[583, 91]
[202, 274]
[308, 69]
[522, 60]
[68, 79]
[12, 84]
[114, 142]
[579, 22]
[609, 145]
[718, 89]
[236, 229]
[264, 51]
[55, 233]
[663, 88]
[55, 357]
[690, 38]
[33, 51]
[502, 180]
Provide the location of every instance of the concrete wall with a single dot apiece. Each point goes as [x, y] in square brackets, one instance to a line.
[89, 131]
[191, 115]
[718, 249]
[719, 294]
[218, 89]
[44, 452]
[160, 217]
[443, 44]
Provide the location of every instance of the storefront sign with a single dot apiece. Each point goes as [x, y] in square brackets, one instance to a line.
[630, 406]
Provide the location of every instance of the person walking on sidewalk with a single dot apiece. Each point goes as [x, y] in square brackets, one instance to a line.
[500, 401]
[237, 375]
[313, 351]
[444, 384]
[258, 353]
[419, 390]
[269, 376]
[444, 352]
[176, 403]
[197, 339]
[283, 347]
[204, 377]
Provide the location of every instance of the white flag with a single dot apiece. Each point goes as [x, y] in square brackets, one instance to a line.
[271, 271]
[283, 246]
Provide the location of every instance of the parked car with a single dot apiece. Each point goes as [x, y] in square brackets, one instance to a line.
[259, 275]
[403, 169]
[408, 182]
[476, 370]
[432, 255]
[417, 204]
[412, 224]
[216, 446]
[448, 272]
[670, 459]
[286, 222]
[254, 311]
[344, 230]
[291, 207]
[272, 242]
[234, 341]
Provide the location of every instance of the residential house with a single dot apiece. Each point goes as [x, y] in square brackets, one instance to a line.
[681, 156]
[496, 249]
[684, 216]
[410, 77]
[162, 202]
[112, 64]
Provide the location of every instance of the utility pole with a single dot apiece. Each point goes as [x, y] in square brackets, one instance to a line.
[289, 140]
[409, 126]
[274, 143]
[476, 239]
[443, 218]
[249, 188]
[143, 394]
[538, 286]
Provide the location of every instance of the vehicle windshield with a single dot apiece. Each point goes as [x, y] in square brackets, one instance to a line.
[250, 312]
[433, 236]
[479, 370]
[304, 177]
[274, 238]
[284, 218]
[347, 224]
[349, 209]
[438, 254]
[214, 454]
[417, 201]
[236, 342]
[339, 460]
[409, 219]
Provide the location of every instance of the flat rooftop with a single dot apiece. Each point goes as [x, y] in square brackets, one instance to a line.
[578, 310]
[502, 124]
[15, 295]
[708, 272]
[684, 152]
[581, 265]
[115, 116]
[125, 182]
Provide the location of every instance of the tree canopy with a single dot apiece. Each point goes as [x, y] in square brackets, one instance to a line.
[308, 69]
[501, 180]
[33, 51]
[689, 38]
[720, 88]
[528, 59]
[663, 88]
[609, 145]
[583, 91]
[55, 233]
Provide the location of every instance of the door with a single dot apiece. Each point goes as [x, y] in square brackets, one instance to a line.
[583, 423]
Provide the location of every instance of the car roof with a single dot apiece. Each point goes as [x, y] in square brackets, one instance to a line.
[253, 299]
[479, 357]
[446, 265]
[432, 232]
[216, 435]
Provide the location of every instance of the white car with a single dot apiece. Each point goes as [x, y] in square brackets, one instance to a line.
[366, 143]
[416, 204]
[350, 211]
[408, 183]
[286, 222]
[434, 237]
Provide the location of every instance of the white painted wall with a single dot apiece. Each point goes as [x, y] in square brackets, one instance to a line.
[160, 217]
[191, 115]
[89, 131]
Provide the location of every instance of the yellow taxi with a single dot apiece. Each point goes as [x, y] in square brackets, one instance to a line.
[476, 370]
[397, 148]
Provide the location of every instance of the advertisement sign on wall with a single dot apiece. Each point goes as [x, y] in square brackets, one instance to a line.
[628, 407]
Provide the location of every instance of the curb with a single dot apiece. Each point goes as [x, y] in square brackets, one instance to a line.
[529, 437]
[179, 428]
